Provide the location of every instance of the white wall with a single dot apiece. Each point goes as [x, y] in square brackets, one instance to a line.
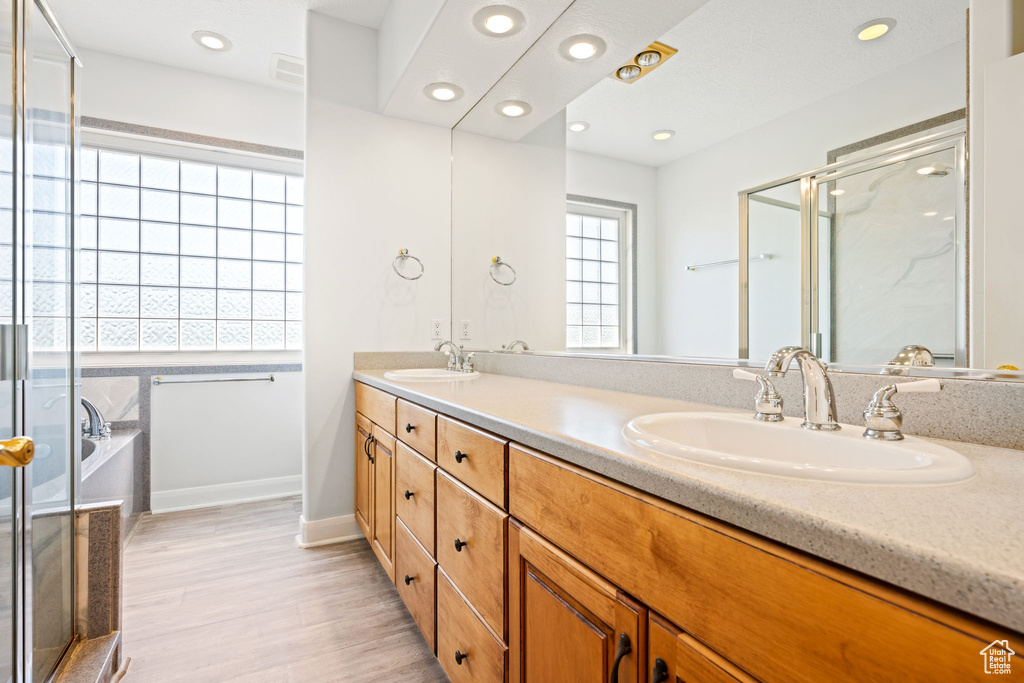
[149, 94]
[698, 206]
[374, 184]
[592, 175]
[525, 227]
[225, 442]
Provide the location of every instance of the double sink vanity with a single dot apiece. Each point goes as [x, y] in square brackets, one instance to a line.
[539, 531]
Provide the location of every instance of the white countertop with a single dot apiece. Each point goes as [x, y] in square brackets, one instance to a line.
[960, 544]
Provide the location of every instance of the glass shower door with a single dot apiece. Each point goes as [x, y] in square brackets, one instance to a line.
[49, 397]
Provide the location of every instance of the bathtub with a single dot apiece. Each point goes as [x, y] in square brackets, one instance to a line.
[108, 473]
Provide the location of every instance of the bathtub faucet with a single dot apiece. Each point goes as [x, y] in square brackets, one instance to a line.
[94, 426]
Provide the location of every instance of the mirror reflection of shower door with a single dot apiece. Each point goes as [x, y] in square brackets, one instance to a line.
[774, 249]
[891, 259]
[49, 389]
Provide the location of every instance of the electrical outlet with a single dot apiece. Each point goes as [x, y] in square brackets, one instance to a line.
[435, 329]
[464, 329]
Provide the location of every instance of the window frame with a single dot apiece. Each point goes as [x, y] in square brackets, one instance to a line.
[626, 213]
[177, 150]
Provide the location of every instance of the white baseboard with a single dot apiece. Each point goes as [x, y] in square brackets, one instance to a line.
[327, 531]
[225, 494]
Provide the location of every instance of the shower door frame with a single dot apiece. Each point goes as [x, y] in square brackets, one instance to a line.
[810, 247]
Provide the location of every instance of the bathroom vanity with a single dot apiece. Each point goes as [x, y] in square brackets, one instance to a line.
[531, 542]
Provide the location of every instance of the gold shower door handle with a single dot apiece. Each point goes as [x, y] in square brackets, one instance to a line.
[17, 452]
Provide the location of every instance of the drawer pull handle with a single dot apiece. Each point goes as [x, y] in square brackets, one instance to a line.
[460, 456]
[409, 427]
[459, 545]
[460, 656]
[409, 579]
[409, 494]
[659, 674]
[625, 647]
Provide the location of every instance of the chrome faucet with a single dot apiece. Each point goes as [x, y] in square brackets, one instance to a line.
[913, 355]
[819, 398]
[97, 428]
[510, 348]
[454, 356]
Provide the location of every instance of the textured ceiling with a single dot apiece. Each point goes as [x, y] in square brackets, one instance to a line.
[161, 30]
[741, 64]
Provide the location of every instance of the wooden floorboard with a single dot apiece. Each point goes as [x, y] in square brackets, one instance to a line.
[224, 594]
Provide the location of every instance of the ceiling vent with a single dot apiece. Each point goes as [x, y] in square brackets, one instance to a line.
[287, 69]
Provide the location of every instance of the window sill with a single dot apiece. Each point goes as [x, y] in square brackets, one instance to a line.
[96, 359]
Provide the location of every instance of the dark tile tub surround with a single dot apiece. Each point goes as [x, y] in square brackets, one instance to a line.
[133, 411]
[973, 411]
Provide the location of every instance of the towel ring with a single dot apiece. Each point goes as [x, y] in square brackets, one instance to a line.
[496, 264]
[404, 255]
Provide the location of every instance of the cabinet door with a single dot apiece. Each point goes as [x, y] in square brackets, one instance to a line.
[384, 499]
[364, 476]
[567, 623]
[674, 656]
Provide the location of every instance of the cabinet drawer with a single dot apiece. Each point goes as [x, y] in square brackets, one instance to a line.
[460, 630]
[478, 566]
[414, 494]
[415, 578]
[476, 458]
[377, 405]
[674, 655]
[417, 427]
[775, 612]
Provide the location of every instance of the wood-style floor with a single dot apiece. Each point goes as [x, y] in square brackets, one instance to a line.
[224, 594]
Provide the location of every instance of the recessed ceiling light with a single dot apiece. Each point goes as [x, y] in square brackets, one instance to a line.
[931, 213]
[662, 134]
[628, 72]
[443, 92]
[836, 193]
[578, 126]
[582, 48]
[948, 218]
[926, 170]
[212, 41]
[499, 21]
[648, 58]
[513, 109]
[876, 28]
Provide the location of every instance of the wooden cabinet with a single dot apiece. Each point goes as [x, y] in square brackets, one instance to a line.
[569, 623]
[475, 457]
[414, 494]
[471, 548]
[677, 657]
[468, 650]
[378, 406]
[416, 427]
[383, 537]
[415, 578]
[364, 476]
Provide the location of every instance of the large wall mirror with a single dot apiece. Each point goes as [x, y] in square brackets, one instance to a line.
[719, 179]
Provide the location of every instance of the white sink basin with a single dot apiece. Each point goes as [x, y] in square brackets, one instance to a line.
[429, 375]
[739, 442]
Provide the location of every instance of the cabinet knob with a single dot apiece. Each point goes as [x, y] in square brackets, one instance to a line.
[409, 427]
[459, 545]
[409, 579]
[460, 456]
[409, 494]
[659, 674]
[460, 656]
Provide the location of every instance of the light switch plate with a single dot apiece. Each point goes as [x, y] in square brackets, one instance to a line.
[464, 329]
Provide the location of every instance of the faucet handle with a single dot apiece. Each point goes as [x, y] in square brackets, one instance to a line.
[768, 401]
[883, 419]
[467, 362]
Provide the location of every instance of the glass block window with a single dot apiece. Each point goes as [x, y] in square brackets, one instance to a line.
[182, 255]
[593, 291]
